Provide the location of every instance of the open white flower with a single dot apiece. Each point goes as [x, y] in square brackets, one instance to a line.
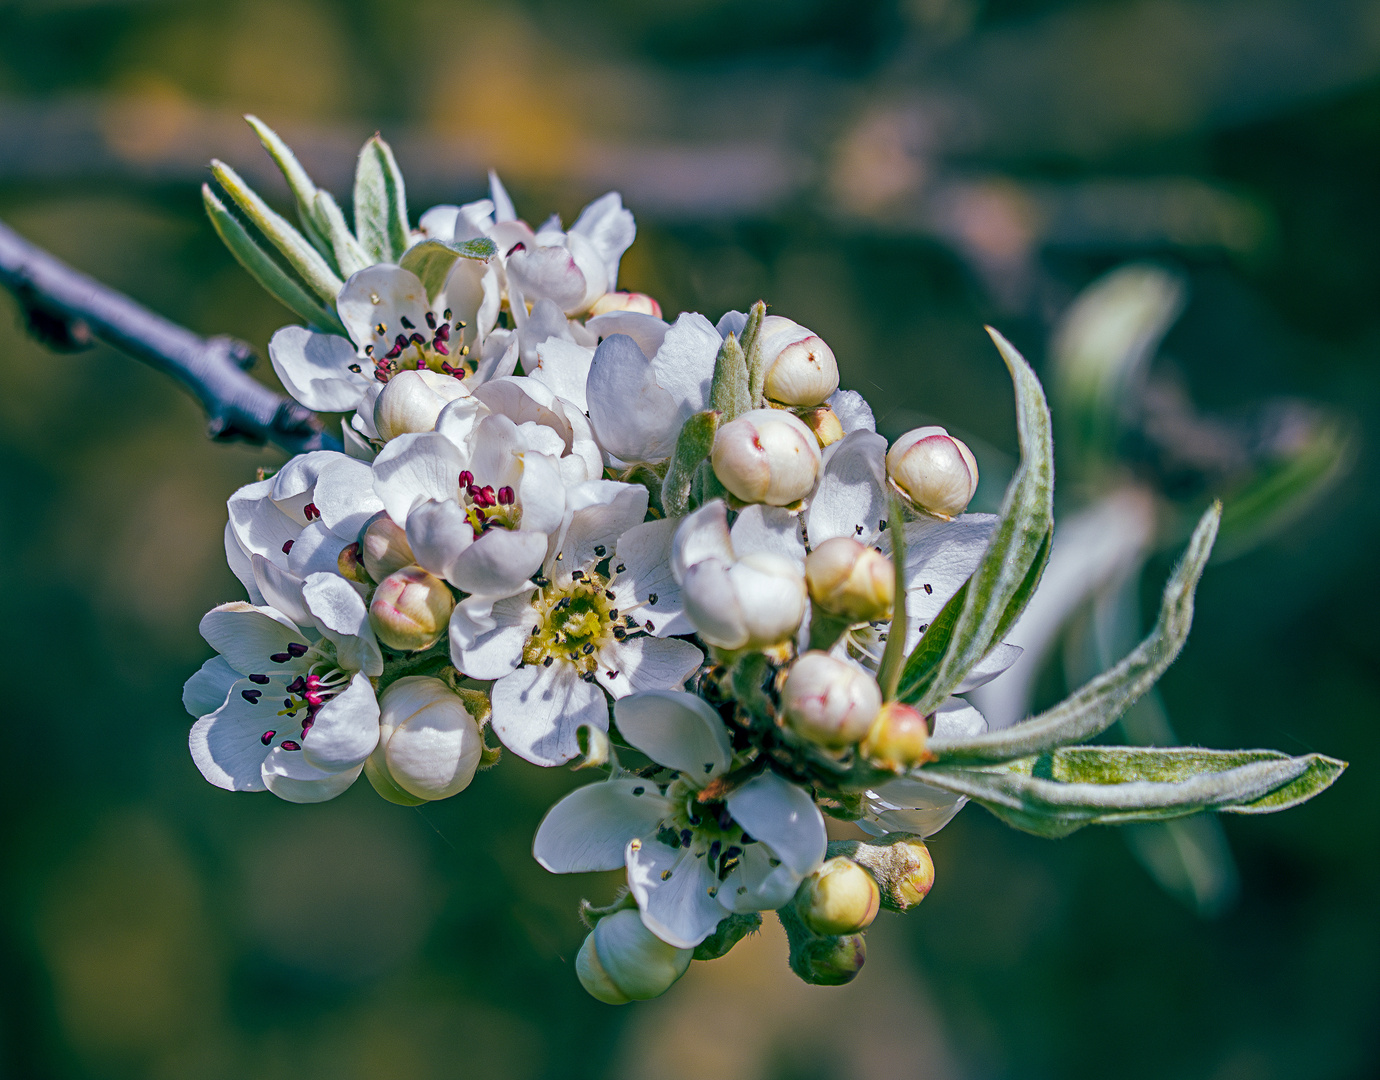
[599, 618]
[282, 708]
[693, 855]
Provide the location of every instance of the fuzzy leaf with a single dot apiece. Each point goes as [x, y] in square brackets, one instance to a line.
[265, 270]
[1057, 793]
[1098, 704]
[304, 190]
[752, 350]
[380, 203]
[350, 258]
[729, 392]
[693, 445]
[431, 260]
[300, 254]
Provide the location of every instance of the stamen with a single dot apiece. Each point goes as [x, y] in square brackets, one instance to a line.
[296, 648]
[652, 598]
[600, 550]
[267, 737]
[281, 657]
[408, 324]
[620, 568]
[260, 679]
[431, 319]
[251, 696]
[287, 547]
[506, 496]
[289, 744]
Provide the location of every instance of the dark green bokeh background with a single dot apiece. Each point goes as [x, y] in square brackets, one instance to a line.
[151, 925]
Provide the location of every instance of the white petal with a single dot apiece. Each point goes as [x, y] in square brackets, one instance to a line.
[711, 604]
[494, 648]
[414, 468]
[315, 368]
[851, 498]
[240, 565]
[590, 828]
[316, 551]
[956, 719]
[672, 888]
[339, 612]
[633, 417]
[206, 691]
[498, 563]
[356, 445]
[248, 636]
[564, 366]
[647, 330]
[259, 525]
[598, 512]
[292, 779]
[905, 805]
[732, 322]
[702, 535]
[989, 667]
[281, 590]
[344, 495]
[547, 272]
[381, 295]
[227, 744]
[853, 411]
[942, 555]
[768, 529]
[346, 729]
[609, 228]
[678, 730]
[644, 663]
[784, 817]
[503, 205]
[293, 483]
[459, 419]
[641, 570]
[537, 712]
[438, 532]
[541, 493]
[684, 365]
[756, 885]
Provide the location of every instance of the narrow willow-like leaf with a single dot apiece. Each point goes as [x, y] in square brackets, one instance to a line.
[301, 256]
[350, 258]
[264, 269]
[1057, 793]
[998, 589]
[889, 670]
[1098, 704]
[1027, 589]
[752, 351]
[728, 394]
[380, 203]
[923, 662]
[693, 444]
[304, 190]
[431, 260]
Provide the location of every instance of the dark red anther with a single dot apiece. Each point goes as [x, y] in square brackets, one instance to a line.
[442, 350]
[443, 332]
[310, 512]
[267, 737]
[306, 725]
[262, 680]
[251, 696]
[289, 744]
[506, 496]
[296, 648]
[297, 685]
[288, 546]
[408, 324]
[417, 339]
[466, 478]
[519, 246]
[281, 657]
[473, 493]
[431, 319]
[394, 352]
[490, 499]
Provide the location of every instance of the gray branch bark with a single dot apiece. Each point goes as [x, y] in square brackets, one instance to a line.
[68, 311]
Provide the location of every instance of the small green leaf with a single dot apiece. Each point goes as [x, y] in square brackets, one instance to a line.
[919, 671]
[693, 445]
[350, 258]
[894, 655]
[302, 187]
[752, 350]
[727, 934]
[1098, 704]
[380, 203]
[301, 256]
[431, 260]
[729, 391]
[265, 270]
[1057, 793]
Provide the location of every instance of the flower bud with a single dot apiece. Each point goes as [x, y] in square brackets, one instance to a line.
[412, 400]
[897, 738]
[801, 369]
[410, 609]
[429, 744]
[350, 563]
[849, 579]
[621, 960]
[899, 863]
[838, 898]
[384, 547]
[756, 602]
[935, 471]
[825, 423]
[637, 302]
[829, 961]
[766, 456]
[829, 701]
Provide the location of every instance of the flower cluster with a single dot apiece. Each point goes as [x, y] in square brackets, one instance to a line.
[671, 549]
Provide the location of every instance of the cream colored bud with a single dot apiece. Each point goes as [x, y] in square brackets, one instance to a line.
[766, 456]
[384, 547]
[825, 423]
[829, 701]
[838, 898]
[849, 579]
[897, 738]
[935, 471]
[801, 369]
[412, 400]
[913, 877]
[621, 960]
[350, 563]
[429, 744]
[410, 609]
[637, 302]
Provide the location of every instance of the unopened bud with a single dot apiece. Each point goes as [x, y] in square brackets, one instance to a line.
[412, 400]
[766, 456]
[900, 863]
[429, 744]
[410, 609]
[384, 547]
[621, 960]
[756, 602]
[838, 898]
[849, 579]
[829, 701]
[801, 369]
[830, 961]
[350, 563]
[935, 471]
[825, 423]
[637, 302]
[897, 738]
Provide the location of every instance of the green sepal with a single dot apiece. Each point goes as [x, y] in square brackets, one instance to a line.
[304, 259]
[1095, 707]
[727, 934]
[590, 914]
[728, 393]
[431, 260]
[304, 190]
[264, 269]
[820, 960]
[1057, 793]
[693, 445]
[380, 203]
[751, 342]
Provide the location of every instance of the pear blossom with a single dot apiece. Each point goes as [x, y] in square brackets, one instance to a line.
[697, 846]
[599, 617]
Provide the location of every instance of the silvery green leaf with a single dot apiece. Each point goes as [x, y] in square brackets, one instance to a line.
[302, 187]
[728, 393]
[1006, 577]
[380, 203]
[265, 270]
[693, 445]
[301, 256]
[752, 351]
[350, 258]
[1057, 793]
[431, 260]
[1101, 701]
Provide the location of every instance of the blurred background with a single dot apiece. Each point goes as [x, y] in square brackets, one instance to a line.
[893, 173]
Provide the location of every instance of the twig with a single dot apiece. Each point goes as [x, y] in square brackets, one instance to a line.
[67, 311]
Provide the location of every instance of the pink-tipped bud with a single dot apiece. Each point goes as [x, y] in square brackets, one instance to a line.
[410, 609]
[829, 701]
[897, 738]
[766, 456]
[637, 302]
[849, 579]
[801, 369]
[429, 744]
[384, 547]
[935, 471]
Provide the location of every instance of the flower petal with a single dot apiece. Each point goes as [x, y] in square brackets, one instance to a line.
[850, 499]
[644, 663]
[701, 535]
[590, 828]
[344, 496]
[641, 570]
[281, 590]
[941, 555]
[206, 691]
[564, 367]
[294, 780]
[757, 885]
[633, 417]
[541, 493]
[346, 728]
[768, 529]
[853, 411]
[678, 730]
[598, 512]
[493, 648]
[248, 637]
[339, 612]
[438, 533]
[784, 817]
[537, 712]
[498, 563]
[684, 365]
[675, 892]
[647, 330]
[315, 368]
[227, 744]
[259, 525]
[906, 805]
[989, 667]
[240, 566]
[414, 468]
[956, 719]
[381, 295]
